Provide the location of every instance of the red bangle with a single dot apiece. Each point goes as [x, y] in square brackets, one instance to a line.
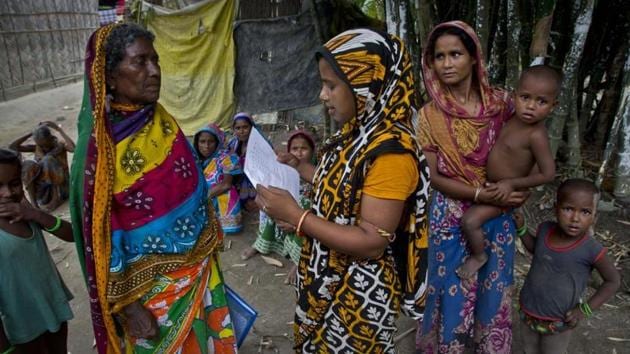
[302, 218]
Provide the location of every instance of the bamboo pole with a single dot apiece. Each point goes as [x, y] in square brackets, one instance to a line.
[610, 101]
[482, 23]
[397, 19]
[543, 18]
[392, 19]
[496, 61]
[574, 160]
[622, 172]
[425, 19]
[414, 47]
[591, 91]
[513, 45]
[569, 69]
[610, 144]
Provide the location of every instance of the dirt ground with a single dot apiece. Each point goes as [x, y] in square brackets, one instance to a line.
[606, 332]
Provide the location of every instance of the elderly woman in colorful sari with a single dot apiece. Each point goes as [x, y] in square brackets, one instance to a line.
[146, 233]
[365, 236]
[220, 166]
[457, 129]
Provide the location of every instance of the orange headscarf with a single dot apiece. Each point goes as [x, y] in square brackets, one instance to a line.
[461, 141]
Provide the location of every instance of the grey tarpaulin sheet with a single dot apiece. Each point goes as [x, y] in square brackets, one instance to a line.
[275, 65]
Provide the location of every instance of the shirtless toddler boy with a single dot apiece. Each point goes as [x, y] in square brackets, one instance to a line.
[522, 144]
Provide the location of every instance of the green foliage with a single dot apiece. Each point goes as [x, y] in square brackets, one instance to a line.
[372, 8]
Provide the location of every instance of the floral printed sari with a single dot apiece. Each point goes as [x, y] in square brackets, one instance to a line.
[222, 162]
[138, 237]
[458, 313]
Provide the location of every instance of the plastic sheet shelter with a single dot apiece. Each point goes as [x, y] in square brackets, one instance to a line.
[197, 57]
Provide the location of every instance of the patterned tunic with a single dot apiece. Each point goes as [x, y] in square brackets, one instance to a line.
[347, 305]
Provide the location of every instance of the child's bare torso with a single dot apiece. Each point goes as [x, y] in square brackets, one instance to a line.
[512, 156]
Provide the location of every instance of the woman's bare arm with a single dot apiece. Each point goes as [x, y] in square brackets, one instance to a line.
[488, 194]
[454, 188]
[362, 241]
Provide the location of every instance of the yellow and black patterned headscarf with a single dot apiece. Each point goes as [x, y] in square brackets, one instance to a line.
[378, 69]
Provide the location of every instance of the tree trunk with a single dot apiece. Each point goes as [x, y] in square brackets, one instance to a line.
[574, 158]
[399, 16]
[482, 23]
[465, 11]
[513, 66]
[569, 68]
[425, 19]
[443, 10]
[396, 18]
[422, 14]
[415, 48]
[622, 172]
[591, 91]
[496, 61]
[610, 99]
[543, 18]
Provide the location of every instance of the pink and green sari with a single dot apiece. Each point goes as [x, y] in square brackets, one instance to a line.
[144, 227]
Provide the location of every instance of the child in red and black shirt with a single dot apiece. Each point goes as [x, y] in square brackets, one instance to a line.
[565, 253]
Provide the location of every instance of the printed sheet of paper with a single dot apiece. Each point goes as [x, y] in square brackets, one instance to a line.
[261, 166]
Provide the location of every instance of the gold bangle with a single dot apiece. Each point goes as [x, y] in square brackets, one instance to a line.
[388, 235]
[383, 233]
[477, 191]
[302, 218]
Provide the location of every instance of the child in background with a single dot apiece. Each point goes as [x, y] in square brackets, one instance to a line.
[34, 307]
[281, 238]
[47, 177]
[220, 167]
[565, 253]
[242, 125]
[522, 145]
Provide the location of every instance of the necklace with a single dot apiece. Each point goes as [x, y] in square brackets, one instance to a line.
[125, 107]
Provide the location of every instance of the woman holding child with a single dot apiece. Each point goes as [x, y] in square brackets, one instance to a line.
[363, 258]
[148, 250]
[457, 129]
